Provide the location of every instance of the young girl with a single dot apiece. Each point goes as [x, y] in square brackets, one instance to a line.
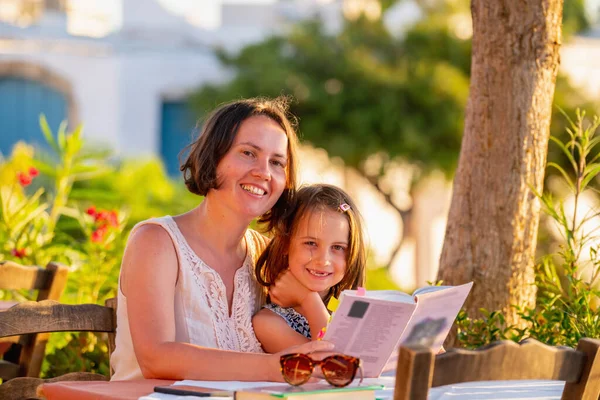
[316, 252]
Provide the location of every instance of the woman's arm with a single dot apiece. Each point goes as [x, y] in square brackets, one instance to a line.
[149, 275]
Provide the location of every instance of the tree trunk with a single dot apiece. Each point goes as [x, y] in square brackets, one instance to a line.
[493, 220]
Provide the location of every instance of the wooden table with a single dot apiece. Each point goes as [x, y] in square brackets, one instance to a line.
[119, 390]
[132, 390]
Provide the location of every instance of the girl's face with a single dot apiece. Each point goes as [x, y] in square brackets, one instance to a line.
[252, 174]
[318, 250]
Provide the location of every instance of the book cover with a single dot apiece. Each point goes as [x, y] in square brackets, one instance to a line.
[373, 326]
[310, 391]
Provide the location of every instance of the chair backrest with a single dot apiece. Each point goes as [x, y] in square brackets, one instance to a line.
[26, 358]
[50, 316]
[419, 369]
[49, 282]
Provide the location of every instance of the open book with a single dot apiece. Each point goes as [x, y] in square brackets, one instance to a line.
[372, 327]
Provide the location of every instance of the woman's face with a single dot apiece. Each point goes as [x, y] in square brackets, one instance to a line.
[252, 174]
[318, 250]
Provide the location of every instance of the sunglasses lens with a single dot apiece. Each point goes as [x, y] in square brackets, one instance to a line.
[297, 369]
[339, 371]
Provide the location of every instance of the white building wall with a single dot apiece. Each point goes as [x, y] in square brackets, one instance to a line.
[146, 79]
[94, 83]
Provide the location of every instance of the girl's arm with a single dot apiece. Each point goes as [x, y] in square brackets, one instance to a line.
[315, 312]
[149, 275]
[274, 334]
[287, 291]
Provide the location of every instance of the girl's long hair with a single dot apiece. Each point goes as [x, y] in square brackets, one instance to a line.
[309, 199]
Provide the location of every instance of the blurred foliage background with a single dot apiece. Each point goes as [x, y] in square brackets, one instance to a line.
[369, 96]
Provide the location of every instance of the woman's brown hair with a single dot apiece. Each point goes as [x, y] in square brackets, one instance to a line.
[309, 199]
[217, 136]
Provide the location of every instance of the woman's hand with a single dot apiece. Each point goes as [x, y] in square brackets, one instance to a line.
[287, 291]
[317, 350]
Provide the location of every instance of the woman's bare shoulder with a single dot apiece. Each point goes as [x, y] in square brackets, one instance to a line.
[149, 248]
[149, 233]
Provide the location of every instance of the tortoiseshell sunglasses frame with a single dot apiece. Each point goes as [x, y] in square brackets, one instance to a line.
[355, 362]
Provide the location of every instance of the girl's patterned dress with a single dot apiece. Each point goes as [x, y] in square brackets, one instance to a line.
[293, 318]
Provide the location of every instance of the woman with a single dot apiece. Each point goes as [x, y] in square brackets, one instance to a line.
[187, 291]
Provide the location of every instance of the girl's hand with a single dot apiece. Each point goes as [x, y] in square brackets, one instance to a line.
[287, 291]
[317, 350]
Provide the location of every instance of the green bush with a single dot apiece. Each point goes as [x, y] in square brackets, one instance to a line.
[74, 206]
[567, 279]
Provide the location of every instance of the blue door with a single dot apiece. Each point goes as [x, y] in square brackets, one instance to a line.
[21, 103]
[177, 131]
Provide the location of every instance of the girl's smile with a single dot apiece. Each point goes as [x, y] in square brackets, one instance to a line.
[318, 274]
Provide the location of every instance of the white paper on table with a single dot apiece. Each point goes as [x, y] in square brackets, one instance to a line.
[504, 390]
[164, 396]
[229, 385]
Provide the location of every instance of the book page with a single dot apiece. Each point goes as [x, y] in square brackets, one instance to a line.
[428, 289]
[391, 295]
[368, 328]
[432, 319]
[434, 316]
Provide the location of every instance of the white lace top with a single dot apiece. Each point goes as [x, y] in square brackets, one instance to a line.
[201, 309]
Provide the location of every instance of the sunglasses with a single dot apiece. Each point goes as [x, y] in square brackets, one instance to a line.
[339, 370]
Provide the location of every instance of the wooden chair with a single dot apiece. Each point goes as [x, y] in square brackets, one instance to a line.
[419, 369]
[25, 356]
[50, 316]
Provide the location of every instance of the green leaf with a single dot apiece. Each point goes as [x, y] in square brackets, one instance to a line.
[22, 223]
[563, 173]
[591, 171]
[47, 132]
[92, 173]
[45, 168]
[94, 195]
[62, 141]
[565, 151]
[30, 202]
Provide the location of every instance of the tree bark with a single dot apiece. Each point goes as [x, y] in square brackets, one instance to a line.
[493, 220]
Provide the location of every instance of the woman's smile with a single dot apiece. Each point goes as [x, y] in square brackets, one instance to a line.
[255, 190]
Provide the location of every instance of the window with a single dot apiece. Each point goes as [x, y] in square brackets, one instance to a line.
[21, 103]
[177, 131]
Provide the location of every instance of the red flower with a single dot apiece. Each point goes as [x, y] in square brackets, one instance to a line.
[98, 234]
[113, 218]
[23, 178]
[91, 211]
[19, 253]
[101, 216]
